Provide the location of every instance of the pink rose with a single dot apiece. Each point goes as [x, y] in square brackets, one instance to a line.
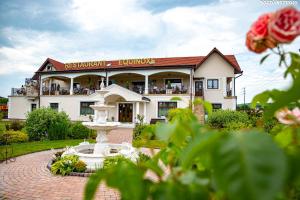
[284, 26]
[258, 39]
[286, 116]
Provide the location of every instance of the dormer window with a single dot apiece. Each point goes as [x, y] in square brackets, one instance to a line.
[49, 67]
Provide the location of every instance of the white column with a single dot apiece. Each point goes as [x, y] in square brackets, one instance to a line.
[71, 86]
[191, 83]
[107, 80]
[224, 82]
[233, 86]
[41, 86]
[146, 84]
[49, 87]
[137, 110]
[145, 112]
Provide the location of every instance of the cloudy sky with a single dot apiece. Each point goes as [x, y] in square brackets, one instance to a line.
[77, 30]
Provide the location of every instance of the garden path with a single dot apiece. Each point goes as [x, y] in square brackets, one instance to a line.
[29, 178]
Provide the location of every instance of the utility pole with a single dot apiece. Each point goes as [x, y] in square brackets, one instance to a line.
[244, 93]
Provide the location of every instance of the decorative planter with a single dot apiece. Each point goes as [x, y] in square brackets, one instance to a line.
[169, 91]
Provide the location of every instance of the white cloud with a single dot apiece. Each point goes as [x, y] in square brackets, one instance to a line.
[123, 28]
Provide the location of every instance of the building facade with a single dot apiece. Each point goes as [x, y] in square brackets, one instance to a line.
[147, 86]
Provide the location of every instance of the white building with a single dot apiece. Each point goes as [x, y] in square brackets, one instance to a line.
[136, 86]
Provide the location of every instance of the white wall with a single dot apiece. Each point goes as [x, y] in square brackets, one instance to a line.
[152, 106]
[215, 67]
[19, 106]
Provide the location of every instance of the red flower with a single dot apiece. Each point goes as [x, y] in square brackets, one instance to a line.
[258, 39]
[260, 27]
[284, 26]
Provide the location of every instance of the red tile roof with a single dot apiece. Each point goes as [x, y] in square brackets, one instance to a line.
[140, 63]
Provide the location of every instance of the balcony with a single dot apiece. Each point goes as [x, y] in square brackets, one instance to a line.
[164, 90]
[56, 91]
[30, 89]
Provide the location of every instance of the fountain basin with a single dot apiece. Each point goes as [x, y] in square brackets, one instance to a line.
[95, 161]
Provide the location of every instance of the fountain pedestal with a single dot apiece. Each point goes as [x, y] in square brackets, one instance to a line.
[102, 148]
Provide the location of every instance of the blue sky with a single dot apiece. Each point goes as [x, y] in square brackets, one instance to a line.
[74, 30]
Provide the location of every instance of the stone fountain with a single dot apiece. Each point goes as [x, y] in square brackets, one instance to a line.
[94, 154]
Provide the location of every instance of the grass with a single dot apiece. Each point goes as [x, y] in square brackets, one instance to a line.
[30, 147]
[155, 144]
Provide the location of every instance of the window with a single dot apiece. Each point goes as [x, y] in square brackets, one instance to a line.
[216, 106]
[54, 106]
[164, 107]
[212, 84]
[85, 108]
[174, 83]
[33, 106]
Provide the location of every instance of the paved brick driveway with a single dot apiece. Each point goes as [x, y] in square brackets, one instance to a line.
[28, 177]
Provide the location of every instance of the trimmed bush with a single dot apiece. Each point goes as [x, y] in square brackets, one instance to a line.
[223, 118]
[237, 125]
[39, 121]
[78, 131]
[13, 137]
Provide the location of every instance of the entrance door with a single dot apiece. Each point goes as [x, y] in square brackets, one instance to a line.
[125, 112]
[199, 88]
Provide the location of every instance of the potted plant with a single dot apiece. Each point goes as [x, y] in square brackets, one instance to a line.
[169, 88]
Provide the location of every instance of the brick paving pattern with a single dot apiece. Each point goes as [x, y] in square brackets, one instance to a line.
[29, 178]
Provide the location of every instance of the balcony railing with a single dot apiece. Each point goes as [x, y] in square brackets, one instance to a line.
[57, 91]
[229, 93]
[24, 91]
[83, 91]
[163, 90]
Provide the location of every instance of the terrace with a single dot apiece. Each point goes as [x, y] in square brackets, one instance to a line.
[163, 83]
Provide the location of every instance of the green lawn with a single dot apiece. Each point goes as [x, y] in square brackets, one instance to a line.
[30, 147]
[155, 144]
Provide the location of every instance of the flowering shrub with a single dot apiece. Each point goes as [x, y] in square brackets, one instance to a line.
[208, 164]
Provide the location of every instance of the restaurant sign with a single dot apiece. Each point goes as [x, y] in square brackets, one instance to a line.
[103, 63]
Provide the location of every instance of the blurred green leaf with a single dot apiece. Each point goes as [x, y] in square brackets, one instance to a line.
[294, 68]
[249, 166]
[201, 144]
[131, 184]
[92, 184]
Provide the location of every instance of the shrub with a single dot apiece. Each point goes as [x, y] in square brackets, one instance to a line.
[80, 166]
[2, 128]
[237, 125]
[78, 131]
[13, 137]
[58, 130]
[221, 118]
[39, 121]
[180, 114]
[16, 125]
[113, 161]
[65, 165]
[137, 131]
